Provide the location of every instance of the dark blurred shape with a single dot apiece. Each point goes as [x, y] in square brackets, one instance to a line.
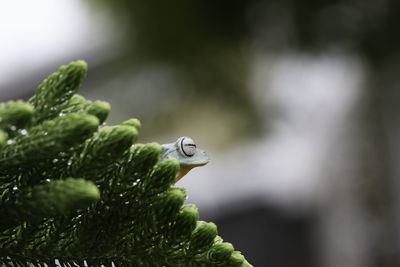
[366, 27]
[210, 44]
[206, 41]
[182, 31]
[189, 32]
[267, 235]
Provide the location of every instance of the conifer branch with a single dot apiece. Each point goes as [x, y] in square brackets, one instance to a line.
[107, 145]
[123, 210]
[58, 197]
[78, 104]
[47, 139]
[15, 115]
[58, 88]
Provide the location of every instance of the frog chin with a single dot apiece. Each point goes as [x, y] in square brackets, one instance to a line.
[184, 169]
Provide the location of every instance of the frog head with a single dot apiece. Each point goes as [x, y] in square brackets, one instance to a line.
[186, 152]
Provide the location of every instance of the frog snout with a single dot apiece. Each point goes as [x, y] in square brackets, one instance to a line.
[203, 158]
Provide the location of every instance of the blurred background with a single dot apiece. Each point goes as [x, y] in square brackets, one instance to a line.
[296, 102]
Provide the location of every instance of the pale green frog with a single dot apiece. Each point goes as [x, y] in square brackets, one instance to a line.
[185, 151]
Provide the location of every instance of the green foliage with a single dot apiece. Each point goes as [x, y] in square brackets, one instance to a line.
[76, 192]
[57, 89]
[58, 197]
[15, 115]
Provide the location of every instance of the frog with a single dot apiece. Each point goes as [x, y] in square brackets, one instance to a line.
[186, 152]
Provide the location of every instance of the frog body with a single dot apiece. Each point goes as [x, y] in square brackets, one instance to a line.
[186, 152]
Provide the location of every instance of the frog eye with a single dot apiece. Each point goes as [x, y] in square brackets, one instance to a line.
[187, 146]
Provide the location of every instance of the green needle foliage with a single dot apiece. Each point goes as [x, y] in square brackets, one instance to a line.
[74, 192]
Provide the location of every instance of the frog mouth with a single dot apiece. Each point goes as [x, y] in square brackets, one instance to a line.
[192, 165]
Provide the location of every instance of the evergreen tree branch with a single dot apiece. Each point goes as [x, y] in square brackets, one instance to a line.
[46, 139]
[58, 197]
[162, 177]
[49, 218]
[104, 148]
[15, 115]
[78, 104]
[3, 138]
[202, 237]
[57, 89]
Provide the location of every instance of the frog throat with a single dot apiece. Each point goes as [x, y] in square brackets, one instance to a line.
[184, 169]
